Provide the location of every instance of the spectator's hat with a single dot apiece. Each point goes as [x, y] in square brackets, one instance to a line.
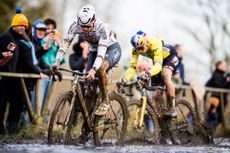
[19, 19]
[214, 101]
[40, 24]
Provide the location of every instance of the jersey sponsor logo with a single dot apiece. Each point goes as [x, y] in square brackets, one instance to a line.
[175, 60]
[91, 37]
[134, 52]
[116, 54]
[154, 50]
[102, 33]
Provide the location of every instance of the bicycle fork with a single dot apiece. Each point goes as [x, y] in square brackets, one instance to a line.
[85, 112]
[139, 118]
[69, 111]
[72, 100]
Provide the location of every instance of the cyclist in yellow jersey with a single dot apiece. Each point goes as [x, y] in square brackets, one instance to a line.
[165, 61]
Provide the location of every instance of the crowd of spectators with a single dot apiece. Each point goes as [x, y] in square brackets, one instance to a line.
[24, 48]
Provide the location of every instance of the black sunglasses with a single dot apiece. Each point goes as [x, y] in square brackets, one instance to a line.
[86, 27]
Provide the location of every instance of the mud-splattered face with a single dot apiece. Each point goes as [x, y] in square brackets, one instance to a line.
[86, 29]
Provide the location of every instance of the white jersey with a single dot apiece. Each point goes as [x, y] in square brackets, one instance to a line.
[100, 35]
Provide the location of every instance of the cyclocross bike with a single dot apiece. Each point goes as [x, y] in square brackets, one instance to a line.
[107, 129]
[147, 122]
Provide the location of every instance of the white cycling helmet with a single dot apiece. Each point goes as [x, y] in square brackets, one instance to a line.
[86, 15]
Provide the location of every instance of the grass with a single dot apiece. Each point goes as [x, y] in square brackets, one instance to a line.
[30, 132]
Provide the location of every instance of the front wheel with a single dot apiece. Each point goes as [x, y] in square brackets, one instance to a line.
[111, 128]
[149, 132]
[60, 118]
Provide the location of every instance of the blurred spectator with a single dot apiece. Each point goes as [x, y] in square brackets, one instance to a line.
[78, 60]
[213, 114]
[52, 37]
[31, 58]
[9, 87]
[42, 46]
[28, 63]
[219, 80]
[180, 72]
[142, 66]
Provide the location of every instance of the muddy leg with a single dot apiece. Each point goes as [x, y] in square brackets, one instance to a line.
[103, 82]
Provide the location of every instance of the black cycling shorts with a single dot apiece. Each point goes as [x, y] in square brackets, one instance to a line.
[113, 55]
[172, 62]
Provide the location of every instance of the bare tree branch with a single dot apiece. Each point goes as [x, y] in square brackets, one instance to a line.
[213, 14]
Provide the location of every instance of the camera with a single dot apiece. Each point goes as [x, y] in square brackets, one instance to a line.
[11, 47]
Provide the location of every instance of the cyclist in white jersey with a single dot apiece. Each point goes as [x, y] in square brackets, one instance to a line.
[104, 50]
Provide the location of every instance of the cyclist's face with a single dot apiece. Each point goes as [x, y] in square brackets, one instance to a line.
[87, 29]
[143, 49]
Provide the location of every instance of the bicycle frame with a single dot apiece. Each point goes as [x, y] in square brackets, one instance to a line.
[104, 127]
[145, 101]
[142, 109]
[180, 129]
[76, 89]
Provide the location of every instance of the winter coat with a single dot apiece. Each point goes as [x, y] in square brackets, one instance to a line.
[5, 38]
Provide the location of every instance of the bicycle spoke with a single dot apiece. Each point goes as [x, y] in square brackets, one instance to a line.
[108, 128]
[59, 118]
[184, 123]
[146, 134]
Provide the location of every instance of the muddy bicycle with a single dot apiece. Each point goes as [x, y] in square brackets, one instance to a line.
[148, 123]
[107, 129]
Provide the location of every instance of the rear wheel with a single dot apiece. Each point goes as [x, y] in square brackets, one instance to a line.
[60, 118]
[183, 126]
[148, 133]
[204, 133]
[111, 128]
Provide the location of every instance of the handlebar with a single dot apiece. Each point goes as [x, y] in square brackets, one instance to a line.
[137, 84]
[76, 72]
[126, 85]
[152, 88]
[71, 71]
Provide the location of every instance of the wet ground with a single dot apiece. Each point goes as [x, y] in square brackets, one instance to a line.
[221, 145]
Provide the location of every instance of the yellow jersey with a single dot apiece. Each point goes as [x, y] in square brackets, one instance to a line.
[156, 52]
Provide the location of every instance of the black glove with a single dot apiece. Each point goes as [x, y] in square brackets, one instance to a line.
[144, 77]
[122, 83]
[121, 86]
[54, 68]
[57, 76]
[47, 72]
